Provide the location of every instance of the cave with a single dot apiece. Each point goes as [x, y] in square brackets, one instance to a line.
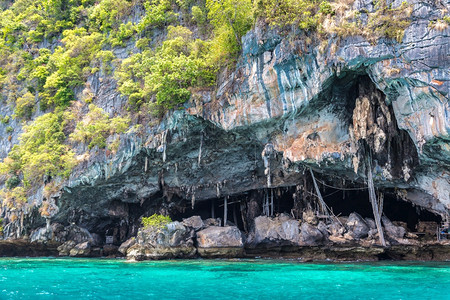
[345, 201]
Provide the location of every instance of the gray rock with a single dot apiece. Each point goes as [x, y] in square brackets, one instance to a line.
[371, 223]
[194, 222]
[277, 231]
[65, 248]
[214, 236]
[41, 235]
[357, 227]
[217, 241]
[81, 250]
[127, 244]
[393, 231]
[336, 229]
[323, 229]
[171, 241]
[310, 235]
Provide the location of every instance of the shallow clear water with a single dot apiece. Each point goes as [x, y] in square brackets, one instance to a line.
[50, 278]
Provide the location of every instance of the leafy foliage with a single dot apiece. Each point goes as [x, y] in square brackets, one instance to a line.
[300, 13]
[96, 126]
[231, 20]
[49, 49]
[155, 221]
[166, 75]
[41, 152]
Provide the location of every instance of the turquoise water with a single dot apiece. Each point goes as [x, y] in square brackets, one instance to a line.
[47, 278]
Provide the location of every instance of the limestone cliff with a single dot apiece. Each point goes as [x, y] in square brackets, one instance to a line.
[293, 102]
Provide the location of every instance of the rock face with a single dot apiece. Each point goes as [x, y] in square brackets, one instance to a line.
[217, 241]
[171, 241]
[326, 106]
[329, 101]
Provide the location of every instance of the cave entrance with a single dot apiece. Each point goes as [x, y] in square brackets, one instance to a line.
[237, 206]
[344, 202]
[212, 208]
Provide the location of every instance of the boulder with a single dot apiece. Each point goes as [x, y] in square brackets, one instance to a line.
[127, 244]
[371, 223]
[217, 241]
[336, 229]
[310, 235]
[281, 230]
[323, 229]
[357, 226]
[194, 222]
[65, 248]
[78, 234]
[81, 250]
[41, 235]
[171, 241]
[393, 231]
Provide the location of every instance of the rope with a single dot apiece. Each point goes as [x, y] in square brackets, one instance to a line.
[342, 189]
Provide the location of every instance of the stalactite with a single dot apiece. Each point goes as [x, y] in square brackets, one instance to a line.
[164, 144]
[267, 155]
[271, 202]
[193, 197]
[200, 149]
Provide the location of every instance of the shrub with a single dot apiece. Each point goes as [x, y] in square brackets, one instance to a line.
[25, 106]
[155, 221]
[96, 126]
[165, 76]
[4, 120]
[198, 15]
[300, 13]
[40, 152]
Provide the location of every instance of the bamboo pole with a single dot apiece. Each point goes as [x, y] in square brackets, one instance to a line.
[319, 195]
[375, 205]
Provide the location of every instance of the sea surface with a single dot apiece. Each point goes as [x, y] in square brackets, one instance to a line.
[59, 278]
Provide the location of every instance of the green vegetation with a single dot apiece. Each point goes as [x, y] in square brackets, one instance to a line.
[96, 126]
[40, 152]
[4, 120]
[298, 13]
[165, 75]
[155, 221]
[52, 51]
